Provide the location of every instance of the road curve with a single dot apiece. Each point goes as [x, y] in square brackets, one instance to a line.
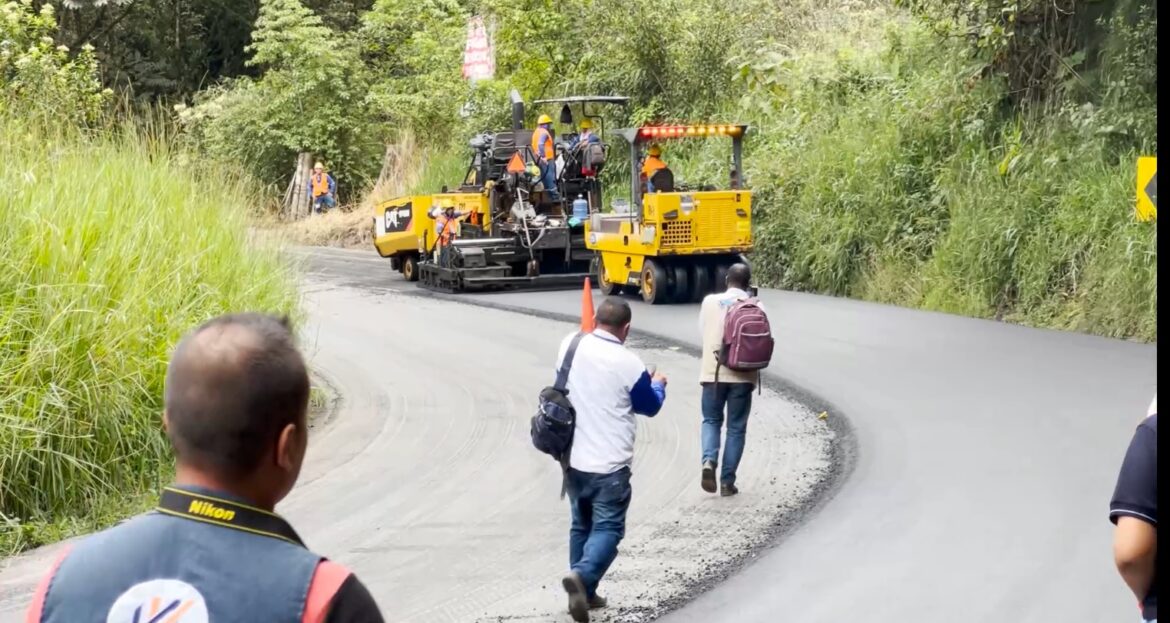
[425, 483]
[986, 455]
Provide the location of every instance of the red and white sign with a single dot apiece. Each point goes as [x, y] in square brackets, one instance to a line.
[478, 60]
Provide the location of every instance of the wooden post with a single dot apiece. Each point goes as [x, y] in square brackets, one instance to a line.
[297, 204]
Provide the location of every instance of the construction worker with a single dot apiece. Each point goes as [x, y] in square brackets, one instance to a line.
[321, 189]
[545, 154]
[446, 230]
[651, 165]
[586, 137]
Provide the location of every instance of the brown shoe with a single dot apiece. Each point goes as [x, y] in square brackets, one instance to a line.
[708, 479]
[728, 490]
[578, 601]
[597, 602]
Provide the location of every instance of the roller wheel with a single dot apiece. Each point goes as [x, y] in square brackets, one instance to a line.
[721, 277]
[654, 285]
[700, 282]
[607, 288]
[410, 268]
[680, 287]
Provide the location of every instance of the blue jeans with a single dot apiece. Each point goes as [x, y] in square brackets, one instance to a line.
[548, 177]
[599, 503]
[736, 399]
[323, 203]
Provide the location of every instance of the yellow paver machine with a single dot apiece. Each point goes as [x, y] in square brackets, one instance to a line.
[673, 243]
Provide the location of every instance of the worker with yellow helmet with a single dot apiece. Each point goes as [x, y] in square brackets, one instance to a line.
[545, 154]
[651, 165]
[586, 137]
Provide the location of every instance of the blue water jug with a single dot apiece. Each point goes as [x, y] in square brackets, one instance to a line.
[580, 208]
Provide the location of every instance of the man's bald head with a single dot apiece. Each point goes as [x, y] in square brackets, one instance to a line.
[739, 276]
[232, 386]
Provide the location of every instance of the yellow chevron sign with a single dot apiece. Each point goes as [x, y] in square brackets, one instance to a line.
[1147, 188]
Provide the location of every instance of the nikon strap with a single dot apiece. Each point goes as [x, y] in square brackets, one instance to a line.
[226, 514]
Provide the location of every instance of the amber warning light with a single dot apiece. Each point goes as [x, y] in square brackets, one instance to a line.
[684, 131]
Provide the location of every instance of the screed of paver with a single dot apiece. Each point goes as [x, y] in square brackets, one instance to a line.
[425, 482]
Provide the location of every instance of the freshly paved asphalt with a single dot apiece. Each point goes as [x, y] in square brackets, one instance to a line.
[985, 456]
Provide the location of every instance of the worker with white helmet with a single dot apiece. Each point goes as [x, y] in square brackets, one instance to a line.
[545, 154]
[322, 189]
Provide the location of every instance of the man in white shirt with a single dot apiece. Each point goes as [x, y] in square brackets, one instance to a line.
[608, 384]
[731, 394]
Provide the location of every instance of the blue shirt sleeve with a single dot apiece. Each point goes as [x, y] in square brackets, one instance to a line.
[647, 396]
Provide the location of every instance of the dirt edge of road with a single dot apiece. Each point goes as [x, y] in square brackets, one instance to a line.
[842, 449]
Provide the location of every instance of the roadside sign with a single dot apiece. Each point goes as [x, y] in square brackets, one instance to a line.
[1147, 188]
[478, 61]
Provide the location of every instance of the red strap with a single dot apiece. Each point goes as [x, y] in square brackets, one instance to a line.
[327, 580]
[37, 607]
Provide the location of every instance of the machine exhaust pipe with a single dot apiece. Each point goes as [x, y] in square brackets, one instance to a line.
[517, 110]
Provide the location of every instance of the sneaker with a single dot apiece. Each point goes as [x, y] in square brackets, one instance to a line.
[578, 601]
[726, 490]
[597, 602]
[708, 480]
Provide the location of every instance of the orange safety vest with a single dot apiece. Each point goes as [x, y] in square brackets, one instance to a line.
[320, 185]
[446, 229]
[651, 166]
[537, 138]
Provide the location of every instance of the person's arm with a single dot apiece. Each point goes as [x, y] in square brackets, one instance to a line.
[336, 596]
[332, 185]
[1134, 509]
[1135, 548]
[648, 394]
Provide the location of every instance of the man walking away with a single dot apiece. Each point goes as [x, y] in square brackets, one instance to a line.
[607, 385]
[235, 404]
[724, 390]
[1134, 510]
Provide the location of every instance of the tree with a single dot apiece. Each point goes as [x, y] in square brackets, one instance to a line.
[311, 96]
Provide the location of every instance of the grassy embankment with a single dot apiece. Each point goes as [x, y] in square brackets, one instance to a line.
[115, 245]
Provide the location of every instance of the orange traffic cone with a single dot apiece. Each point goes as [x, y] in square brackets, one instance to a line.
[587, 309]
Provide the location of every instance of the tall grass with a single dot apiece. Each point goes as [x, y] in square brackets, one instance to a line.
[114, 246]
[886, 170]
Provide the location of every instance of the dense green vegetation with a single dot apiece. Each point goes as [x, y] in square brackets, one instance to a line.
[975, 158]
[115, 244]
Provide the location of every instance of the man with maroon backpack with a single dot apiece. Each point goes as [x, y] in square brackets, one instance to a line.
[737, 344]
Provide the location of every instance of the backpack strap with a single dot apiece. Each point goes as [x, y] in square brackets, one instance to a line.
[567, 364]
[560, 385]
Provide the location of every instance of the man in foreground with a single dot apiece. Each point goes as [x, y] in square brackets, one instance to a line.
[725, 391]
[1134, 510]
[608, 384]
[236, 402]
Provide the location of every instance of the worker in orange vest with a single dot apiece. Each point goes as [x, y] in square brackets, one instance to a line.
[651, 165]
[321, 189]
[545, 154]
[446, 230]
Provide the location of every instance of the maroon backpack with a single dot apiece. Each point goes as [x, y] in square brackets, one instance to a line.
[747, 337]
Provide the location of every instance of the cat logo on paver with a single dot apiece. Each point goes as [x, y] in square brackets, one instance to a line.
[159, 601]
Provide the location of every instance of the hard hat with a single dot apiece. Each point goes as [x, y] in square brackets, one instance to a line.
[655, 151]
[318, 166]
[543, 120]
[586, 124]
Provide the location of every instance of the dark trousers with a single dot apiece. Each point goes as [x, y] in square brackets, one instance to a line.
[736, 400]
[599, 503]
